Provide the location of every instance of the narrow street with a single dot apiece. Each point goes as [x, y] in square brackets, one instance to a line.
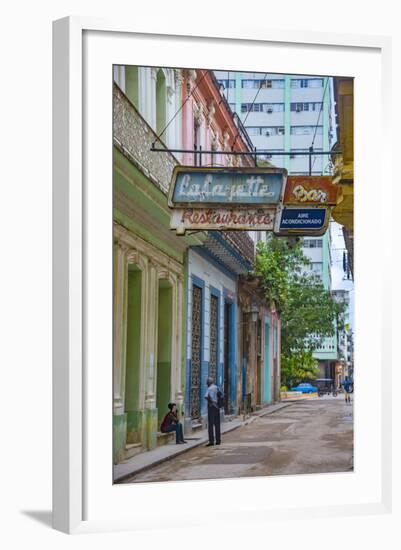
[311, 436]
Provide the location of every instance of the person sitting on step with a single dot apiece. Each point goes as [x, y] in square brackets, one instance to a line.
[171, 423]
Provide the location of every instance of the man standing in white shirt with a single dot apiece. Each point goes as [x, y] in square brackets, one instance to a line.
[213, 412]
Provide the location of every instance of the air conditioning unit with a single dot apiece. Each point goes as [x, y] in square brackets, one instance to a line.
[268, 157]
[270, 111]
[292, 156]
[267, 134]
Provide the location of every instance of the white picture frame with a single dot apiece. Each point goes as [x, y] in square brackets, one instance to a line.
[81, 47]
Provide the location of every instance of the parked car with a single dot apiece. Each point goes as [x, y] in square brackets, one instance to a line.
[326, 386]
[305, 387]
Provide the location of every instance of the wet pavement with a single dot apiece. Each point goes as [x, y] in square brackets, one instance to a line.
[314, 436]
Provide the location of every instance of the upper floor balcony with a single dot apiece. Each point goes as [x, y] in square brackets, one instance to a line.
[133, 136]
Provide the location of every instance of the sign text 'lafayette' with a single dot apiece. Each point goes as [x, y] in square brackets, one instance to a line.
[216, 186]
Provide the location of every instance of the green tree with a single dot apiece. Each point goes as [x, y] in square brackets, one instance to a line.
[308, 311]
[300, 366]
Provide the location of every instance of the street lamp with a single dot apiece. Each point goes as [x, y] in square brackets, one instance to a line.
[254, 311]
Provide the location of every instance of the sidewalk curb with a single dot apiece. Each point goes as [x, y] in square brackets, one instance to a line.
[202, 441]
[178, 452]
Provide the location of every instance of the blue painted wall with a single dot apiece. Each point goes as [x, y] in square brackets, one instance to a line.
[267, 363]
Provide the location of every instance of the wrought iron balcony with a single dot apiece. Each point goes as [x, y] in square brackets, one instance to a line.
[134, 137]
[242, 242]
[233, 249]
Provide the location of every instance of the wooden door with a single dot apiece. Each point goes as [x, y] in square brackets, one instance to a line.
[226, 356]
[196, 351]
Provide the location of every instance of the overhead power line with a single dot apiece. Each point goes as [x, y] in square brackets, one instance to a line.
[318, 119]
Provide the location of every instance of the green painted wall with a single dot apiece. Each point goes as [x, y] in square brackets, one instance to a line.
[119, 437]
[132, 85]
[135, 426]
[150, 428]
[148, 199]
[164, 350]
[161, 99]
[133, 340]
[184, 332]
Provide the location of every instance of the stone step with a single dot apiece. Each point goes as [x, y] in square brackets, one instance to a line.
[163, 439]
[197, 426]
[132, 449]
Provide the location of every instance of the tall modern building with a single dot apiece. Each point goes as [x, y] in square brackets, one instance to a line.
[317, 249]
[344, 337]
[283, 114]
[289, 114]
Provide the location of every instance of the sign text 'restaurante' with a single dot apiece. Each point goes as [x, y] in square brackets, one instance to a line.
[216, 218]
[227, 188]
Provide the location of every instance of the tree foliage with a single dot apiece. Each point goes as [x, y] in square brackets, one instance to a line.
[300, 366]
[308, 311]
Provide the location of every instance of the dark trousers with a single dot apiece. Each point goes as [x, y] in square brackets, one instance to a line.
[213, 421]
[177, 428]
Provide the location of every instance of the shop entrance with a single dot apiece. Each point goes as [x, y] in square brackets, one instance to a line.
[133, 350]
[164, 336]
[196, 351]
[228, 355]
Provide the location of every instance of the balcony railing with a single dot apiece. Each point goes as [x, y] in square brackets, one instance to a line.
[242, 132]
[242, 242]
[134, 137]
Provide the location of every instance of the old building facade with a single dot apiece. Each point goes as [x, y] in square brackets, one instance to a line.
[149, 262]
[178, 314]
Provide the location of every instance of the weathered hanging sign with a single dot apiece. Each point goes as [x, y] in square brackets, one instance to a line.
[250, 199]
[222, 218]
[202, 187]
[311, 190]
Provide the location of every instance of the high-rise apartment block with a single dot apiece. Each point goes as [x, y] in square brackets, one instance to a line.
[283, 114]
[290, 114]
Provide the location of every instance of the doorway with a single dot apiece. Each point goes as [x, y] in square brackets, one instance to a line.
[196, 351]
[164, 336]
[267, 364]
[227, 355]
[133, 350]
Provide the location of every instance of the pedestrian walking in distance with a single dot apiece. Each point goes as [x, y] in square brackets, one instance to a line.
[171, 423]
[347, 389]
[214, 397]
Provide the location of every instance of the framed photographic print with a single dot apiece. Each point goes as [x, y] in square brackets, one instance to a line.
[213, 290]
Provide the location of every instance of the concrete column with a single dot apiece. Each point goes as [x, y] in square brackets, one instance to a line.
[151, 337]
[119, 326]
[152, 97]
[169, 135]
[178, 98]
[177, 349]
[150, 425]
